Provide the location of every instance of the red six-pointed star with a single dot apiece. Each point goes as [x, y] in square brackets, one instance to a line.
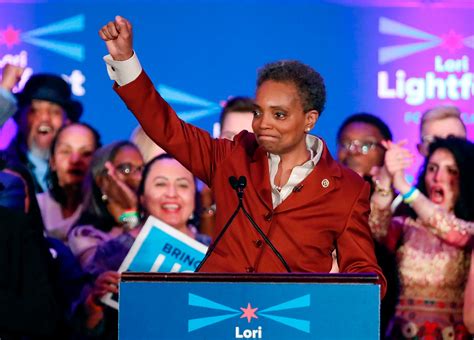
[10, 36]
[452, 41]
[248, 312]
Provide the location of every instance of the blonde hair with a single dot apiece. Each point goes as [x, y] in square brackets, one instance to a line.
[147, 147]
[441, 112]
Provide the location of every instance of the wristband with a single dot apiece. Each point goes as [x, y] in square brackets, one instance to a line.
[411, 195]
[130, 219]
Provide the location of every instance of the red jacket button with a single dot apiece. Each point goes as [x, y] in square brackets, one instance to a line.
[268, 216]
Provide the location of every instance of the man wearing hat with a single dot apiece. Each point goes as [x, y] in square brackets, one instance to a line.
[44, 106]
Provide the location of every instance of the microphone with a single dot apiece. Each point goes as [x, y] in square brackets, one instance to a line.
[234, 183]
[242, 182]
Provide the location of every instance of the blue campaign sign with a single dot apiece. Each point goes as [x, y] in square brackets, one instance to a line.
[217, 310]
[160, 248]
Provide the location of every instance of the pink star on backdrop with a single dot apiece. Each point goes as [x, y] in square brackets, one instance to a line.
[248, 312]
[10, 37]
[452, 41]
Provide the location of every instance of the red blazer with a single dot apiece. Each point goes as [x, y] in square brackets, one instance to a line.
[329, 212]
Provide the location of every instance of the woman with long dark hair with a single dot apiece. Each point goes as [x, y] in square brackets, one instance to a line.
[431, 240]
[71, 154]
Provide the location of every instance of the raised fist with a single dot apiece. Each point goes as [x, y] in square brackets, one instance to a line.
[118, 38]
[11, 75]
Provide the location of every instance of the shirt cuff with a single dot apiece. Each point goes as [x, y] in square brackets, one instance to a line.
[123, 72]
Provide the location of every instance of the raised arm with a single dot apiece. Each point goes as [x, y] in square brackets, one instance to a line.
[191, 146]
[11, 75]
[380, 221]
[440, 222]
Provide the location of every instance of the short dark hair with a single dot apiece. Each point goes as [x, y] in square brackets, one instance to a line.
[463, 153]
[309, 83]
[237, 104]
[367, 118]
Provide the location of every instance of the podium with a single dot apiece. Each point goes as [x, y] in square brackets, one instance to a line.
[180, 306]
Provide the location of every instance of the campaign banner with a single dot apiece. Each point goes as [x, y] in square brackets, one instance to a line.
[160, 248]
[171, 310]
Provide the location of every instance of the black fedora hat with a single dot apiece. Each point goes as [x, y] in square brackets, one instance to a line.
[52, 88]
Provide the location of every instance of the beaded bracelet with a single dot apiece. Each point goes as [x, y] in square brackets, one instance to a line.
[381, 190]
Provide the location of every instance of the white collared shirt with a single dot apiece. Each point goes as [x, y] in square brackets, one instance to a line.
[124, 72]
[298, 173]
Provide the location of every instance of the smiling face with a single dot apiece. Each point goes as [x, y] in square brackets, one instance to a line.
[73, 154]
[169, 192]
[279, 121]
[43, 120]
[442, 179]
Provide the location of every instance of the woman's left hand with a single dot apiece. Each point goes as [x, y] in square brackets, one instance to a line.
[397, 160]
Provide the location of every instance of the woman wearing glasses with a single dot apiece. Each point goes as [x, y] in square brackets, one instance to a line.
[358, 143]
[110, 199]
[431, 241]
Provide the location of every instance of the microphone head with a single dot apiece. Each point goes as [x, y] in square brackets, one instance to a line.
[234, 183]
[242, 182]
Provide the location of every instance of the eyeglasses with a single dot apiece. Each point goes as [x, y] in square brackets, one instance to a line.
[129, 169]
[355, 145]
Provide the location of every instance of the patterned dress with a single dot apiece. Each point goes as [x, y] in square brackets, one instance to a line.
[431, 271]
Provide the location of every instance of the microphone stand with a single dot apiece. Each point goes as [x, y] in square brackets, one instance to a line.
[239, 186]
[233, 183]
[267, 240]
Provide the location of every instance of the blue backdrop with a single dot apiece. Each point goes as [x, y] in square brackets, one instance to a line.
[202, 52]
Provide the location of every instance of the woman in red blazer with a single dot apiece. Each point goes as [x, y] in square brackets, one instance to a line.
[306, 203]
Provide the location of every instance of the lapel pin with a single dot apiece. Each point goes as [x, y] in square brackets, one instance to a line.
[325, 183]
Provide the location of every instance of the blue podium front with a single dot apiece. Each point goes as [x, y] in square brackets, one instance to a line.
[208, 306]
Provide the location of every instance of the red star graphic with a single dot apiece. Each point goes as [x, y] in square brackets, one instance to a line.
[10, 37]
[248, 312]
[452, 41]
